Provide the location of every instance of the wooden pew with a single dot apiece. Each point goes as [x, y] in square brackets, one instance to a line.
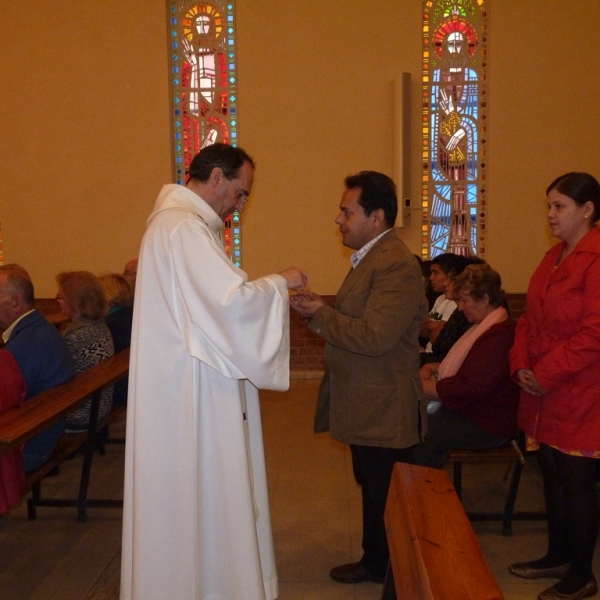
[434, 553]
[20, 424]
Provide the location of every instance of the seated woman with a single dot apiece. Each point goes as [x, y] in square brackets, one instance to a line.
[81, 298]
[118, 293]
[12, 473]
[478, 398]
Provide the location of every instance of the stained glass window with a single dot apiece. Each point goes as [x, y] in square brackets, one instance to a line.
[454, 127]
[203, 83]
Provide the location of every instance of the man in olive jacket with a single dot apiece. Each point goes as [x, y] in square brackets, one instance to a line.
[370, 395]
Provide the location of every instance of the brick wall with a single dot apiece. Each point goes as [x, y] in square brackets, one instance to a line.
[306, 348]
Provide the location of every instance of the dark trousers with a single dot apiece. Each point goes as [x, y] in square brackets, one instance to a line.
[448, 430]
[372, 467]
[572, 509]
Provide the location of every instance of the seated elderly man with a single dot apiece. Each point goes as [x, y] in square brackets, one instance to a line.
[40, 351]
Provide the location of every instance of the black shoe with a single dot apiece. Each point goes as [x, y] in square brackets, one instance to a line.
[353, 573]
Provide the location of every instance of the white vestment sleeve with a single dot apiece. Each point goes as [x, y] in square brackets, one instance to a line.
[229, 323]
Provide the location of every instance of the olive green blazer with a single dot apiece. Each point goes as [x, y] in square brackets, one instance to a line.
[371, 393]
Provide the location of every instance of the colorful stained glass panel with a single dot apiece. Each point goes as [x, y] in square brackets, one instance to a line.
[454, 109]
[204, 89]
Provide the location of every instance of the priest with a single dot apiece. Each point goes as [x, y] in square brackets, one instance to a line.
[196, 514]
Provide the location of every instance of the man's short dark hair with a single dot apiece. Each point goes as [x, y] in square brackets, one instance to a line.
[18, 283]
[445, 261]
[378, 191]
[228, 158]
[460, 263]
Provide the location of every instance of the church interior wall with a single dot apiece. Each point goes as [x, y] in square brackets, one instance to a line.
[86, 134]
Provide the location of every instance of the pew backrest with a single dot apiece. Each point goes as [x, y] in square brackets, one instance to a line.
[19, 424]
[434, 553]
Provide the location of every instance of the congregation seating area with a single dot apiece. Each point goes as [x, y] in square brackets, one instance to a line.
[20, 424]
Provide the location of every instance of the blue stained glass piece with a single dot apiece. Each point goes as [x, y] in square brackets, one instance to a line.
[177, 111]
[232, 80]
[173, 9]
[236, 218]
[230, 41]
[173, 21]
[233, 111]
[175, 57]
[236, 242]
[230, 30]
[178, 124]
[179, 159]
[175, 44]
[232, 98]
[233, 134]
[178, 148]
[176, 100]
[233, 123]
[236, 230]
[176, 81]
[175, 69]
[230, 18]
[231, 55]
[174, 33]
[232, 66]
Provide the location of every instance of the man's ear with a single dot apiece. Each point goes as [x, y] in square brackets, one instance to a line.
[16, 302]
[216, 175]
[378, 216]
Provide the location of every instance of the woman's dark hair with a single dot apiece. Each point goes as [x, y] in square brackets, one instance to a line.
[478, 280]
[580, 187]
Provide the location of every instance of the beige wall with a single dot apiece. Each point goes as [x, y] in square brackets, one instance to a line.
[85, 142]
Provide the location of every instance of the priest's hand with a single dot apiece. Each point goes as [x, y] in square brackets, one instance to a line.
[295, 278]
[306, 303]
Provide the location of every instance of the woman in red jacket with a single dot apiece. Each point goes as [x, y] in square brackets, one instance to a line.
[556, 361]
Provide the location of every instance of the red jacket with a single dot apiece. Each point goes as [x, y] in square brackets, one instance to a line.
[12, 393]
[559, 339]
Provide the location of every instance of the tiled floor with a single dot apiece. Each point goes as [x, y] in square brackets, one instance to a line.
[315, 506]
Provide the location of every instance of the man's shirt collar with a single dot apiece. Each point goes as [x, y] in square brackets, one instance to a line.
[360, 254]
[8, 331]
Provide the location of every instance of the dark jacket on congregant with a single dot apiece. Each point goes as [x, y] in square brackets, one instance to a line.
[45, 361]
[119, 322]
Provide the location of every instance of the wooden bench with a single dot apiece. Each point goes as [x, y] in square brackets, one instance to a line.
[20, 424]
[510, 455]
[434, 553]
